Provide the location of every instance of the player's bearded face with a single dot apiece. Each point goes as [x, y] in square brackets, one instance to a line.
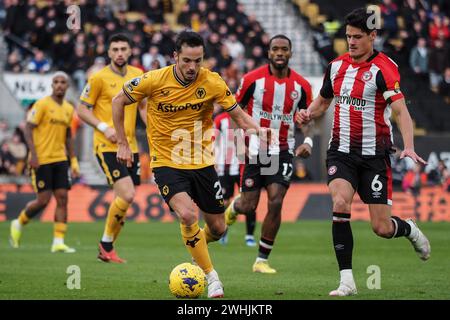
[359, 42]
[189, 60]
[279, 53]
[59, 86]
[119, 52]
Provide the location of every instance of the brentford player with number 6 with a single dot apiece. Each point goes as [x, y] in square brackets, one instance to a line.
[365, 87]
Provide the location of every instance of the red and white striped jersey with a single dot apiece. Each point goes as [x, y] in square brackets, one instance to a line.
[272, 102]
[227, 162]
[362, 95]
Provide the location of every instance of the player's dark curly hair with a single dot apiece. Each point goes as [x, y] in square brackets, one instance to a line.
[119, 37]
[360, 18]
[189, 38]
[280, 36]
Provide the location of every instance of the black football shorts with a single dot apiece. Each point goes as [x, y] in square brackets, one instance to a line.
[371, 177]
[202, 185]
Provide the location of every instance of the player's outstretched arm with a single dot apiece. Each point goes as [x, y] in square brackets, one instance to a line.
[243, 120]
[124, 154]
[406, 128]
[315, 110]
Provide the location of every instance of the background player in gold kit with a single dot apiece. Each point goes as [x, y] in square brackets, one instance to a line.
[180, 107]
[95, 110]
[49, 139]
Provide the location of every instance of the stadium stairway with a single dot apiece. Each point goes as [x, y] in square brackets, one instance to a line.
[3, 52]
[329, 7]
[279, 17]
[90, 169]
[10, 108]
[91, 173]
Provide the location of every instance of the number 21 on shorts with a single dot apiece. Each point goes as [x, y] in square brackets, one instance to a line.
[219, 190]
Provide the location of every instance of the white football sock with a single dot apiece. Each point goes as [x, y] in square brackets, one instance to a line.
[17, 224]
[58, 241]
[258, 259]
[107, 238]
[211, 276]
[347, 276]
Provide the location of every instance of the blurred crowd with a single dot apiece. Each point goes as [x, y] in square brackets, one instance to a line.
[410, 177]
[39, 40]
[13, 150]
[414, 33]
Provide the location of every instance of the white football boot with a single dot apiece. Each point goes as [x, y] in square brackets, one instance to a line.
[215, 287]
[347, 286]
[419, 241]
[344, 289]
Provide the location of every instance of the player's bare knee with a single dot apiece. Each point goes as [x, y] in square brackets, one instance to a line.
[275, 204]
[187, 215]
[247, 207]
[128, 195]
[61, 200]
[340, 204]
[187, 220]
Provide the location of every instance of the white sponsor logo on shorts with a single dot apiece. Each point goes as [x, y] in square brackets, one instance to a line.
[376, 194]
[249, 182]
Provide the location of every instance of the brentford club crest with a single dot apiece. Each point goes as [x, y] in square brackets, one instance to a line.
[366, 76]
[249, 182]
[332, 170]
[294, 95]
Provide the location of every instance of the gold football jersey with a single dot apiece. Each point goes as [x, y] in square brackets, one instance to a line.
[49, 136]
[98, 93]
[179, 115]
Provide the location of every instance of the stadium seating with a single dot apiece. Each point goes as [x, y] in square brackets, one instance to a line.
[429, 116]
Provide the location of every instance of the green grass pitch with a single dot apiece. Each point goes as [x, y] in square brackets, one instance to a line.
[303, 255]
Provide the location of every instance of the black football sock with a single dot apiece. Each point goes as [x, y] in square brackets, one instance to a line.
[250, 222]
[401, 227]
[265, 247]
[342, 240]
[108, 246]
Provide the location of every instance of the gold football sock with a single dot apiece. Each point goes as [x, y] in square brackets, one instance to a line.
[115, 220]
[59, 230]
[195, 241]
[23, 218]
